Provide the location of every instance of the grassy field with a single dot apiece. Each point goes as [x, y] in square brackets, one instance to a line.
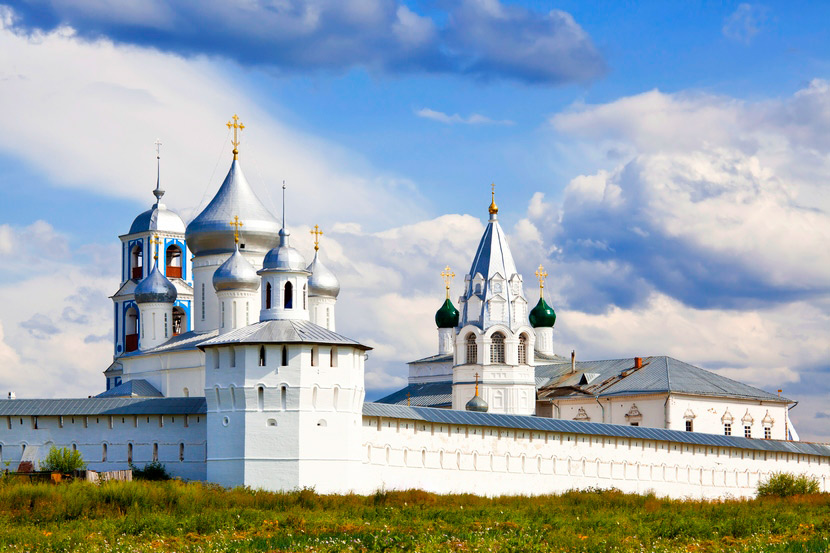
[173, 516]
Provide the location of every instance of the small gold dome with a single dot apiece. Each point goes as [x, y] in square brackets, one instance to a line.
[493, 207]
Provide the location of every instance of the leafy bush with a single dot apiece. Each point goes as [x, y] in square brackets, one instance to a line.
[153, 470]
[785, 484]
[63, 460]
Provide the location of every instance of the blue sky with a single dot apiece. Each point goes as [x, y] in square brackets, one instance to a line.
[667, 161]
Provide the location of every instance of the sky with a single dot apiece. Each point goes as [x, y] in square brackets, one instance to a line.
[667, 162]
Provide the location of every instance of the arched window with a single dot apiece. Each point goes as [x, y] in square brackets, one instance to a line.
[155, 451]
[136, 261]
[260, 398]
[284, 361]
[173, 262]
[129, 453]
[288, 298]
[283, 397]
[314, 356]
[103, 453]
[497, 348]
[186, 392]
[178, 320]
[333, 357]
[268, 296]
[472, 349]
[131, 329]
[305, 296]
[523, 349]
[181, 452]
[261, 356]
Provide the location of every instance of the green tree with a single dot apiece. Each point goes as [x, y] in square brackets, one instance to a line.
[63, 460]
[785, 484]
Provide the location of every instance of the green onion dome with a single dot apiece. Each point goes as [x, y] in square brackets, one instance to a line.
[477, 404]
[542, 315]
[447, 316]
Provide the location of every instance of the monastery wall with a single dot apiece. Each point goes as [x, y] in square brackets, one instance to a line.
[177, 441]
[442, 458]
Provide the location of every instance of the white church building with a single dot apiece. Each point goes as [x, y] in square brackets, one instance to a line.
[228, 368]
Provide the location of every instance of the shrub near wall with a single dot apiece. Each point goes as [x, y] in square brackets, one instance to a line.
[785, 484]
[63, 460]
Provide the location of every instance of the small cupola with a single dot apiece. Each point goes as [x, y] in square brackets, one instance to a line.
[155, 288]
[447, 315]
[542, 315]
[284, 257]
[322, 282]
[236, 273]
[477, 403]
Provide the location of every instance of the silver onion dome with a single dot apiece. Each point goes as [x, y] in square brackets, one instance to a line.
[322, 281]
[283, 257]
[236, 273]
[477, 404]
[155, 288]
[210, 233]
[159, 219]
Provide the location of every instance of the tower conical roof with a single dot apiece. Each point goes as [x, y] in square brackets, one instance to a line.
[210, 233]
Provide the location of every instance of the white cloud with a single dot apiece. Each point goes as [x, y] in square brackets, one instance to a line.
[474, 119]
[87, 114]
[745, 22]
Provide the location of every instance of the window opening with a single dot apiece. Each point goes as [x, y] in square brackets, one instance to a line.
[727, 429]
[260, 398]
[288, 299]
[689, 426]
[767, 433]
[268, 296]
[203, 301]
[173, 263]
[129, 452]
[497, 348]
[181, 452]
[103, 453]
[333, 357]
[314, 355]
[261, 356]
[523, 349]
[472, 348]
[284, 360]
[747, 431]
[178, 320]
[155, 452]
[137, 261]
[305, 296]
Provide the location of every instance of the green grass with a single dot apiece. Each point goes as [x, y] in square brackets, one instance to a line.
[174, 516]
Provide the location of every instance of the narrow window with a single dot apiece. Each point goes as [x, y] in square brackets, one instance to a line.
[288, 298]
[222, 320]
[727, 429]
[767, 433]
[336, 398]
[523, 349]
[181, 452]
[328, 317]
[103, 453]
[247, 313]
[260, 398]
[165, 325]
[233, 315]
[129, 453]
[218, 398]
[333, 357]
[635, 424]
[689, 426]
[136, 261]
[202, 297]
[268, 296]
[314, 354]
[497, 348]
[178, 320]
[155, 452]
[173, 259]
[232, 352]
[284, 361]
[34, 423]
[472, 349]
[747, 431]
[1, 453]
[261, 356]
[314, 398]
[283, 398]
[305, 296]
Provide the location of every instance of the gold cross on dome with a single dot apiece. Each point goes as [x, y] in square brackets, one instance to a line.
[408, 398]
[447, 275]
[236, 126]
[158, 147]
[154, 241]
[476, 384]
[317, 234]
[236, 223]
[541, 274]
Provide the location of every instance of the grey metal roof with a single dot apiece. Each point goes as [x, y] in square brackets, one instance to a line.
[322, 281]
[115, 369]
[132, 388]
[450, 416]
[282, 331]
[210, 232]
[433, 359]
[155, 288]
[158, 218]
[188, 340]
[103, 406]
[432, 394]
[658, 375]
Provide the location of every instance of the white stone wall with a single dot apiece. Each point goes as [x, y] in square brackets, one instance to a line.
[88, 434]
[442, 458]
